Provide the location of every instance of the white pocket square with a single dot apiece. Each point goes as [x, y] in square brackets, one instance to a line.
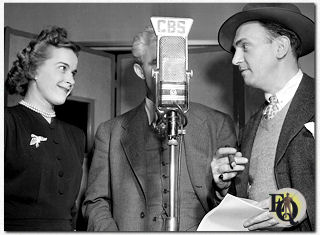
[310, 127]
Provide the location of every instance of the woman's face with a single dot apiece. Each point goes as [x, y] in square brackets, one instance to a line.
[55, 77]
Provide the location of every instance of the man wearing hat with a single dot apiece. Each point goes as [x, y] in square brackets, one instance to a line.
[266, 40]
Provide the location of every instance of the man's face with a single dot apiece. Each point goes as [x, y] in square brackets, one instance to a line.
[149, 63]
[255, 55]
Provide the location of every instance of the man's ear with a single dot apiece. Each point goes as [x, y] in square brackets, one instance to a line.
[138, 70]
[283, 46]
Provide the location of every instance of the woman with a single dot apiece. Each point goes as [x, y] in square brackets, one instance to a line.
[43, 156]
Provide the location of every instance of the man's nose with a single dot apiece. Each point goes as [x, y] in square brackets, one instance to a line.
[237, 57]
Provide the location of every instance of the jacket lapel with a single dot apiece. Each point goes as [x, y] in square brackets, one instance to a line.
[198, 164]
[301, 110]
[133, 143]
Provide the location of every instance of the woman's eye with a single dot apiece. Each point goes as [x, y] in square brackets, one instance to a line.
[62, 68]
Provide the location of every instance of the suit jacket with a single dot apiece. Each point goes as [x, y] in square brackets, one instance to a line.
[115, 197]
[294, 165]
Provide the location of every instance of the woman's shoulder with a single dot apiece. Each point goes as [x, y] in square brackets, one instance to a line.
[12, 110]
[13, 113]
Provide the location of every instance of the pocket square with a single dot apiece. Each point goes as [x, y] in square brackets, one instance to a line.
[310, 127]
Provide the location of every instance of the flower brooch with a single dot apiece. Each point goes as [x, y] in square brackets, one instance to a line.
[36, 140]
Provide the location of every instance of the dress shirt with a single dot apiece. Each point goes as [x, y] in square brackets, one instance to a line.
[287, 92]
[150, 109]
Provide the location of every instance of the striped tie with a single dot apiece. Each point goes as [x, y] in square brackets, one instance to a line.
[272, 108]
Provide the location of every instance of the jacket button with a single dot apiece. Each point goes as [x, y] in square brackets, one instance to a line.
[142, 215]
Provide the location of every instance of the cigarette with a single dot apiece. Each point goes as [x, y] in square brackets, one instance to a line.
[232, 162]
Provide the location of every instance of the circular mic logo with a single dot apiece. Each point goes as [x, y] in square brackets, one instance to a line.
[173, 92]
[288, 206]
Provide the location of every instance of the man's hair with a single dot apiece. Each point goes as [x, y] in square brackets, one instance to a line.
[276, 30]
[140, 43]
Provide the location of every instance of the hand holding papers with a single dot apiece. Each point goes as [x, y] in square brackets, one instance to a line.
[229, 215]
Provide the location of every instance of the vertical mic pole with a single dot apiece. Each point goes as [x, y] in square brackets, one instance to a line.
[172, 222]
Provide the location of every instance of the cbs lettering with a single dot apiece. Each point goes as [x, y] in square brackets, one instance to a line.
[171, 26]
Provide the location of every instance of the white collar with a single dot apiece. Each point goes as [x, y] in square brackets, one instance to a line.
[287, 92]
[149, 107]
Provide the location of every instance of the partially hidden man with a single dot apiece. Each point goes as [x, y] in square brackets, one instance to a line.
[128, 184]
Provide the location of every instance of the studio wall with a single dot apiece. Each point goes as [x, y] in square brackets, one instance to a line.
[119, 22]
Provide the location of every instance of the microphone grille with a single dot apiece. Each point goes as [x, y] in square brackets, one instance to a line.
[172, 58]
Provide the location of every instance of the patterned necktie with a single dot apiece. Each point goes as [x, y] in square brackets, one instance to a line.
[159, 126]
[272, 108]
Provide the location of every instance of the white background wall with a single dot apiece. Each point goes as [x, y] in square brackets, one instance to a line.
[121, 21]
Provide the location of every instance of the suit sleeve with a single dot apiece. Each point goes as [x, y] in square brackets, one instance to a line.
[97, 206]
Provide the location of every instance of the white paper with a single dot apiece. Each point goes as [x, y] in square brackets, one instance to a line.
[229, 215]
[310, 127]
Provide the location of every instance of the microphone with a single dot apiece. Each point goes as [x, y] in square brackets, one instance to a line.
[172, 74]
[172, 97]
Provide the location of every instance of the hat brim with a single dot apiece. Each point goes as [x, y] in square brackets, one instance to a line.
[300, 24]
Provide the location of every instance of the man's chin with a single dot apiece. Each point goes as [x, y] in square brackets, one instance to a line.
[247, 80]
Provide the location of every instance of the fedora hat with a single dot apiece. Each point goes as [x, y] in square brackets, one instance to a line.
[285, 14]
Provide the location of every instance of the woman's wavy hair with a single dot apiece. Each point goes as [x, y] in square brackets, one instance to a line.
[30, 58]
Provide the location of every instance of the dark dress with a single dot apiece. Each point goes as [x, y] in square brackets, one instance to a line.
[40, 183]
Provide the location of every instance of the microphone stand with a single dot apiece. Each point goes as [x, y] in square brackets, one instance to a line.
[173, 132]
[171, 85]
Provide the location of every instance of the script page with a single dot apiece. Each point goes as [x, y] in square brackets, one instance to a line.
[229, 215]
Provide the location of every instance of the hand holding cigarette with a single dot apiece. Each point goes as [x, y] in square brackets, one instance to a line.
[225, 165]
